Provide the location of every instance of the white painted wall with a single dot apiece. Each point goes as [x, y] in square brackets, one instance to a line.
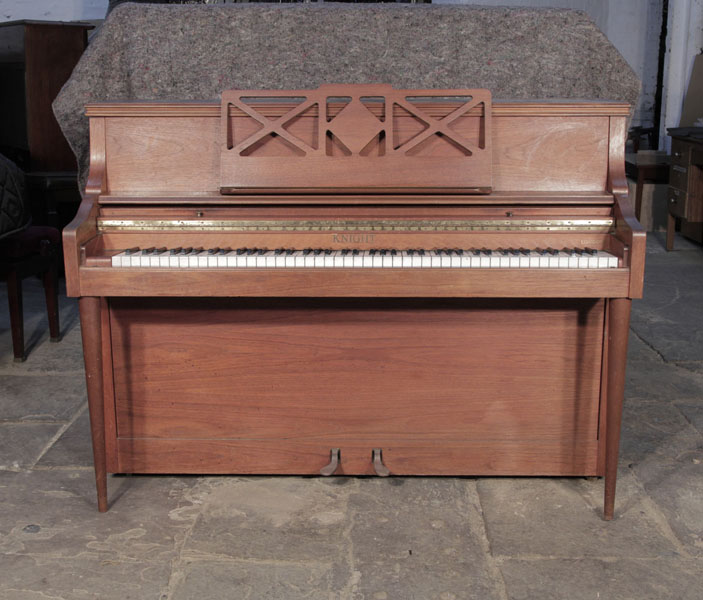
[684, 42]
[633, 27]
[52, 10]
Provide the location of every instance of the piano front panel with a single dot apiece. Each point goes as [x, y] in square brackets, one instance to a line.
[444, 387]
[538, 149]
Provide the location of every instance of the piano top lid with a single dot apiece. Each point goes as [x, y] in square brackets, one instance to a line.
[568, 107]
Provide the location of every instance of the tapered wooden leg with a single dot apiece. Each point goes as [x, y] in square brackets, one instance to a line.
[51, 293]
[618, 331]
[670, 231]
[90, 331]
[14, 297]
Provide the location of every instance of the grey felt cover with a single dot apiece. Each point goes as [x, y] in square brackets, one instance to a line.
[193, 52]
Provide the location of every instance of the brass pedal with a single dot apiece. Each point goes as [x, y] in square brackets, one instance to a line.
[378, 466]
[332, 466]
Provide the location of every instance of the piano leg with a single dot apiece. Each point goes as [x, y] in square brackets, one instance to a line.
[91, 334]
[618, 331]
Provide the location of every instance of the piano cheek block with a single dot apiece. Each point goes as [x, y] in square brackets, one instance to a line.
[341, 305]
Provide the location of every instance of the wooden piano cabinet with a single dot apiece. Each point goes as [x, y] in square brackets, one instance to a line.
[443, 387]
[476, 371]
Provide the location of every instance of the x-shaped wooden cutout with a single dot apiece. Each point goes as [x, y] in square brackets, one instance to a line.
[276, 126]
[437, 126]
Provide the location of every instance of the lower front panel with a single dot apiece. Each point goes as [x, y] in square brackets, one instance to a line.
[465, 387]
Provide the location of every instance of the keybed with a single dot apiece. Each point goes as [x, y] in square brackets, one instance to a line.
[353, 258]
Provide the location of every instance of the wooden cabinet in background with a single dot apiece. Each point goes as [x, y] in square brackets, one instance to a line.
[36, 59]
[685, 196]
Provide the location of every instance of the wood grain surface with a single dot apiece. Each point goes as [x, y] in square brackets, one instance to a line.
[362, 373]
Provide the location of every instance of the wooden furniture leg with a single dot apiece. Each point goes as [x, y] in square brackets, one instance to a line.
[618, 331]
[89, 308]
[14, 297]
[638, 192]
[51, 293]
[670, 231]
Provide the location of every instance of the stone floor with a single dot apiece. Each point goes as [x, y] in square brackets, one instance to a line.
[291, 538]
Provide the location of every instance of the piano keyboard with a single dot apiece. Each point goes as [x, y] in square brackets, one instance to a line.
[511, 258]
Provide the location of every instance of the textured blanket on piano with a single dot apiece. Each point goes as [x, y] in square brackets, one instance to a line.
[193, 52]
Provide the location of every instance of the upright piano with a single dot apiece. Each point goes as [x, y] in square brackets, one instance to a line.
[356, 280]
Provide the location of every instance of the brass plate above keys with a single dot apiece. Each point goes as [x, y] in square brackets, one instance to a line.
[596, 225]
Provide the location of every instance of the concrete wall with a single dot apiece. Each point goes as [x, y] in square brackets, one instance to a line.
[52, 10]
[633, 26]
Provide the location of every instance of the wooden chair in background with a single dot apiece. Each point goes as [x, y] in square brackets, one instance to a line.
[33, 251]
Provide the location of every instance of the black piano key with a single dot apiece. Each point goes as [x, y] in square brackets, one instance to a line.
[486, 251]
[241, 251]
[317, 251]
[132, 250]
[307, 251]
[224, 250]
[475, 251]
[514, 251]
[438, 252]
[328, 251]
[289, 251]
[568, 251]
[355, 252]
[421, 251]
[186, 250]
[148, 250]
[176, 250]
[278, 251]
[345, 251]
[262, 251]
[197, 250]
[541, 251]
[213, 250]
[578, 251]
[410, 251]
[394, 252]
[552, 251]
[524, 251]
[458, 251]
[590, 251]
[250, 251]
[160, 250]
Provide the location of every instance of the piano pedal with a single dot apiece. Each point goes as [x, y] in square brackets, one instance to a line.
[333, 465]
[378, 466]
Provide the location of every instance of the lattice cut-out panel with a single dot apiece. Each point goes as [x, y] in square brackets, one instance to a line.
[360, 138]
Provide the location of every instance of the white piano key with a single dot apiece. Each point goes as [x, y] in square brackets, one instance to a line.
[117, 259]
[298, 259]
[397, 260]
[198, 260]
[338, 259]
[514, 261]
[553, 261]
[593, 262]
[279, 260]
[270, 259]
